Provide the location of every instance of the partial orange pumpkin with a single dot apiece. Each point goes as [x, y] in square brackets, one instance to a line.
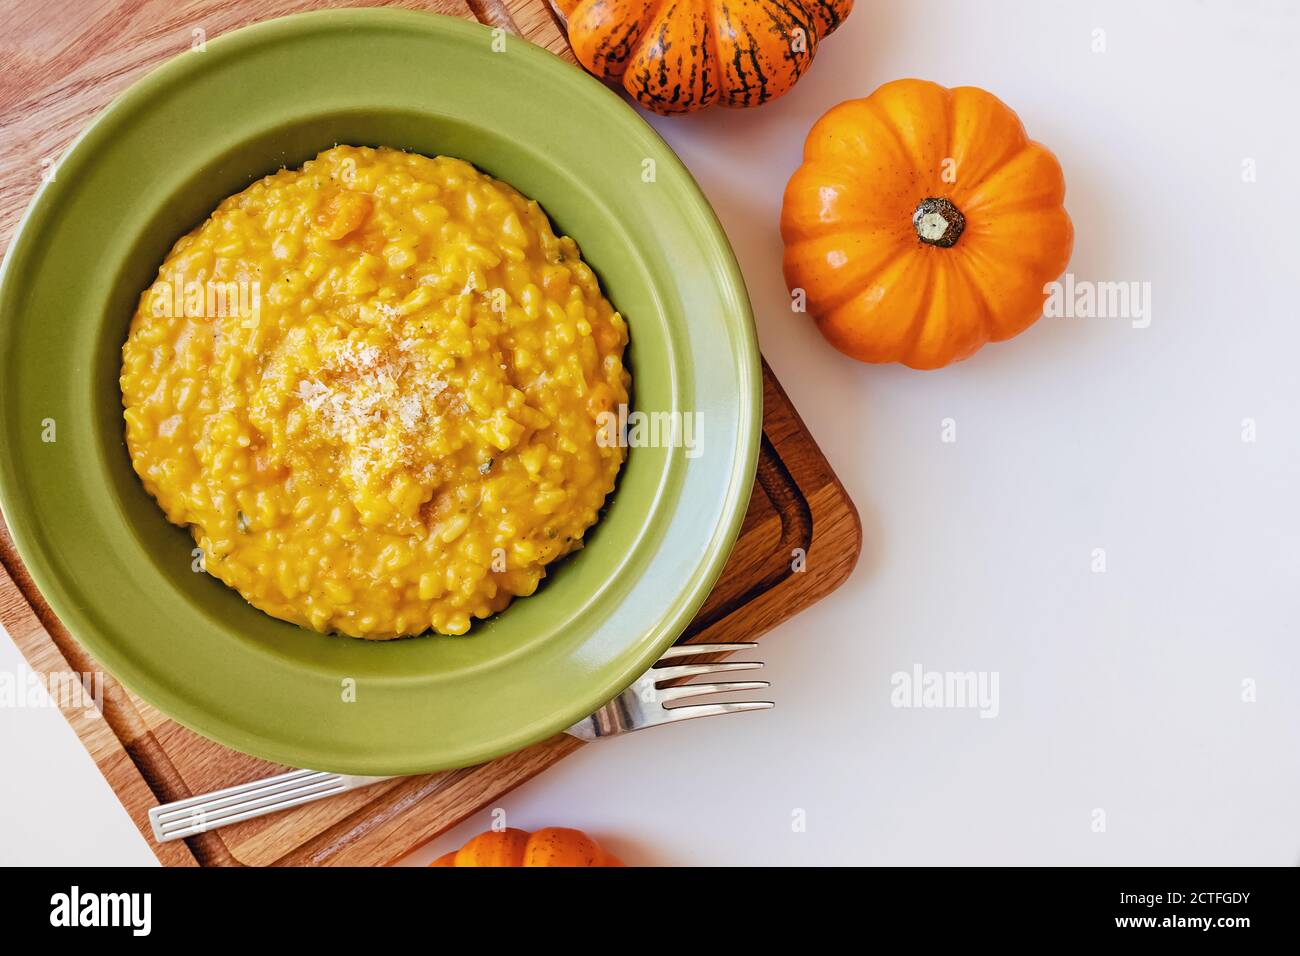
[923, 223]
[676, 57]
[553, 846]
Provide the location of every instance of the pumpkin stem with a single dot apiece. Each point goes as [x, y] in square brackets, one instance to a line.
[938, 223]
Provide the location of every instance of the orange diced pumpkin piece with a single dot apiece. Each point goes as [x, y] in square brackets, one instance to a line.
[342, 214]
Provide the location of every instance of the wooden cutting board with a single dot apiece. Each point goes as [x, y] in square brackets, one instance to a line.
[63, 61]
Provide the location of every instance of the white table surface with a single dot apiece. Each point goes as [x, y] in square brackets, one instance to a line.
[1120, 691]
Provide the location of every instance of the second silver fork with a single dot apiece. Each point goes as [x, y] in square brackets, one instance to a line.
[643, 704]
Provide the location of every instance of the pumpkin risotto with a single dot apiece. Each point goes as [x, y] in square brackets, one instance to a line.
[370, 388]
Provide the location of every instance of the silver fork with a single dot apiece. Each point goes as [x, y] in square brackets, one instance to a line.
[643, 704]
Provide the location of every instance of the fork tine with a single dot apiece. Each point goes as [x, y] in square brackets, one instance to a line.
[694, 670]
[671, 714]
[698, 690]
[690, 650]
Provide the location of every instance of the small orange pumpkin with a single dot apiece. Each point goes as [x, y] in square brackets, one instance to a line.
[553, 846]
[676, 57]
[923, 223]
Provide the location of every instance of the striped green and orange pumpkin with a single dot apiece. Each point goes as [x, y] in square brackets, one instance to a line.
[677, 56]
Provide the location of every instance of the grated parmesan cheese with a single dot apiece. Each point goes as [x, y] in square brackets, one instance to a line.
[374, 401]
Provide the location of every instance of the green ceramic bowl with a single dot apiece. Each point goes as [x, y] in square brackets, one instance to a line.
[151, 168]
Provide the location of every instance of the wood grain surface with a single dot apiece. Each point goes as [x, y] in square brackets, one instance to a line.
[61, 61]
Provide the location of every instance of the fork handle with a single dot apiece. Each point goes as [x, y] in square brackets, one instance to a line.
[208, 811]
